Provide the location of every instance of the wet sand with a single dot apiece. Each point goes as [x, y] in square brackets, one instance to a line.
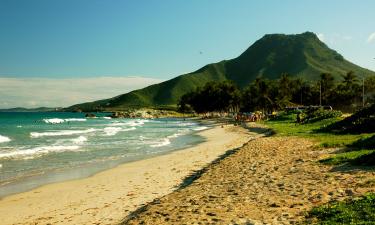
[109, 196]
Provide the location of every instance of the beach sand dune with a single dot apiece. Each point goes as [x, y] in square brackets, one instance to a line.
[109, 196]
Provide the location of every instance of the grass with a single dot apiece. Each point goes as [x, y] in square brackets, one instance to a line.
[359, 147]
[365, 143]
[359, 157]
[358, 211]
[285, 126]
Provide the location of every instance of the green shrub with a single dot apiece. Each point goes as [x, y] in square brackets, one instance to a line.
[362, 121]
[359, 211]
[316, 114]
[368, 143]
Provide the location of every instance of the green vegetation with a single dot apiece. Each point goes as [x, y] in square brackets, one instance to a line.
[270, 95]
[357, 147]
[358, 211]
[359, 157]
[368, 143]
[312, 115]
[358, 150]
[302, 55]
[285, 125]
[361, 122]
[213, 97]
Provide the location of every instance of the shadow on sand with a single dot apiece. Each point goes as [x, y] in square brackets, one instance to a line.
[198, 173]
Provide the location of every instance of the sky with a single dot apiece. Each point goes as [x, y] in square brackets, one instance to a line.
[136, 43]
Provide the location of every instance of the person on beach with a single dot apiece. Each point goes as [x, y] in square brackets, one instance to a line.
[298, 120]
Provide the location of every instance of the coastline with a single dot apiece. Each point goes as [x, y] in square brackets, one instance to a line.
[110, 195]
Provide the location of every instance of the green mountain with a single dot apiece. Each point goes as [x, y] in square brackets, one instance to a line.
[302, 55]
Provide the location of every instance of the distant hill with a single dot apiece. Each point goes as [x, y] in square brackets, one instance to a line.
[21, 109]
[302, 55]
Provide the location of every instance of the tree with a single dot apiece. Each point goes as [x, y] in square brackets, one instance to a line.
[213, 97]
[350, 80]
[327, 84]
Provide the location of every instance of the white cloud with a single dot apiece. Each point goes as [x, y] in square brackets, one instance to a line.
[334, 38]
[371, 38]
[321, 37]
[54, 92]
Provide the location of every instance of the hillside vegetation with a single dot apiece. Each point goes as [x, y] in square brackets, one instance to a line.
[301, 55]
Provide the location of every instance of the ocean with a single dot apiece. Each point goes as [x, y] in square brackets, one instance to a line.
[38, 148]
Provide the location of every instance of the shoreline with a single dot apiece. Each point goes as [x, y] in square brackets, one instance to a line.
[110, 195]
[30, 182]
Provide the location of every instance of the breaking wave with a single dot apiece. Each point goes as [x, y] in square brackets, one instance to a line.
[58, 120]
[4, 139]
[161, 143]
[28, 153]
[60, 133]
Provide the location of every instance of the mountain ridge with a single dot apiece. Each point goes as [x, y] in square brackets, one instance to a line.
[300, 55]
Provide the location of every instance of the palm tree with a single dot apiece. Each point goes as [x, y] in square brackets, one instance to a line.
[326, 84]
[350, 80]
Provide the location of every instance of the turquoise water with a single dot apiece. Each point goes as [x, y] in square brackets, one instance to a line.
[40, 148]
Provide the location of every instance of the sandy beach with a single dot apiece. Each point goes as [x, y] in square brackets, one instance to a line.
[109, 196]
[270, 180]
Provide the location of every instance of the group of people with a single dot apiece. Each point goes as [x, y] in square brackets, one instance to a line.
[249, 117]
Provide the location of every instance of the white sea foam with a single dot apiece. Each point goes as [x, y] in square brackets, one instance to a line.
[161, 143]
[200, 128]
[137, 123]
[54, 120]
[185, 124]
[174, 135]
[60, 133]
[132, 123]
[107, 117]
[29, 153]
[118, 124]
[4, 139]
[58, 120]
[110, 131]
[19, 126]
[179, 133]
[129, 129]
[79, 140]
[75, 119]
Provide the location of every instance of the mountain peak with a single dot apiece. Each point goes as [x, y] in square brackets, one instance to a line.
[307, 34]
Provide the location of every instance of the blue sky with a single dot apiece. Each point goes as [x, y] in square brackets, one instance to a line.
[64, 39]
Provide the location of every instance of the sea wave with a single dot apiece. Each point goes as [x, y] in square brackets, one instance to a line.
[129, 129]
[110, 131]
[4, 139]
[133, 123]
[75, 119]
[200, 128]
[161, 143]
[184, 124]
[60, 133]
[30, 153]
[179, 133]
[79, 140]
[58, 120]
